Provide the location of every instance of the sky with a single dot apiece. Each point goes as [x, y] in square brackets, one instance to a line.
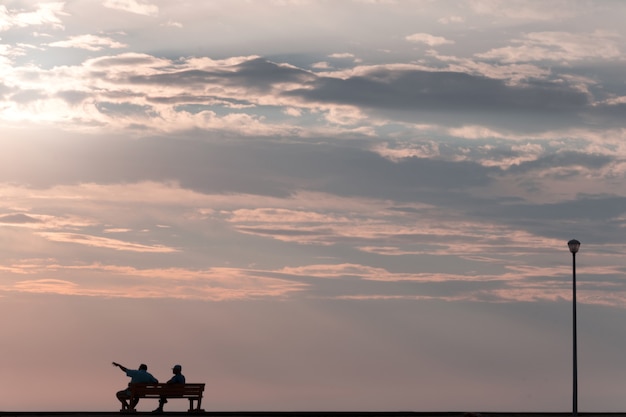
[313, 205]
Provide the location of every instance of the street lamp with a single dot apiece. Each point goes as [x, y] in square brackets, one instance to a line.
[574, 245]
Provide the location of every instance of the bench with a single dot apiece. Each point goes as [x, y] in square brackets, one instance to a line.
[193, 392]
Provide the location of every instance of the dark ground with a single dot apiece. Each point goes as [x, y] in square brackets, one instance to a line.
[307, 414]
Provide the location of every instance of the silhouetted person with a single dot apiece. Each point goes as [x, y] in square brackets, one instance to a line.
[178, 378]
[140, 376]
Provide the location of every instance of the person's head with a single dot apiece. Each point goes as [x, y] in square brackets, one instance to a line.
[143, 367]
[177, 369]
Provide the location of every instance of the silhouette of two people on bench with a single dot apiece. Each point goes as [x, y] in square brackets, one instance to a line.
[142, 376]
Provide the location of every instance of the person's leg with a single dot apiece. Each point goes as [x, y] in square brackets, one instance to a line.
[123, 396]
[159, 409]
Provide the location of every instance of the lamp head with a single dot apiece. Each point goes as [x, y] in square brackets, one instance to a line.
[574, 245]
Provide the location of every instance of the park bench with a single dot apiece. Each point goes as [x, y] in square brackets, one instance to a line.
[193, 392]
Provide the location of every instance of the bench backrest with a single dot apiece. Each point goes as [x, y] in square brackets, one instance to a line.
[167, 390]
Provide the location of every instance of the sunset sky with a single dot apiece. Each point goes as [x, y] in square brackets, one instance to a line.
[346, 205]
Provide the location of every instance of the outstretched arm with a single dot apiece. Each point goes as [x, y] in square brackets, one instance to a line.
[122, 367]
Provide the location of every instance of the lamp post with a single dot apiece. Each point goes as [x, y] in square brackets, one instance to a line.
[574, 245]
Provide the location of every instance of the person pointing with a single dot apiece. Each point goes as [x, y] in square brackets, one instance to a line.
[137, 376]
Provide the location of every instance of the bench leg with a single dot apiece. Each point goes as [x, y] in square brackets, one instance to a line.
[191, 406]
[197, 407]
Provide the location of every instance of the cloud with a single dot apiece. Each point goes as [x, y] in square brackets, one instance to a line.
[511, 74]
[41, 221]
[89, 42]
[255, 74]
[248, 95]
[321, 65]
[515, 284]
[562, 47]
[521, 283]
[18, 218]
[564, 160]
[414, 95]
[141, 7]
[525, 10]
[45, 14]
[172, 24]
[342, 55]
[55, 286]
[102, 242]
[451, 19]
[428, 39]
[116, 230]
[371, 221]
[407, 150]
[109, 281]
